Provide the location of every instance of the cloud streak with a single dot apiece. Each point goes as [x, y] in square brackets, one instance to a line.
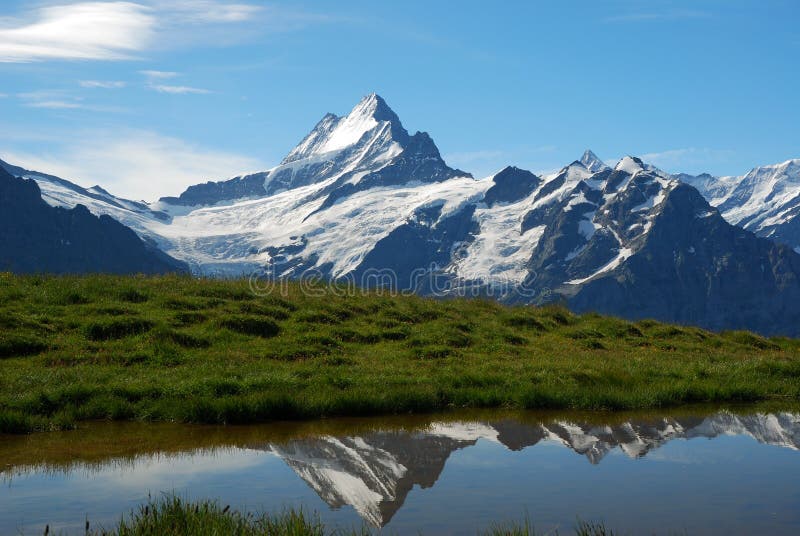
[162, 75]
[179, 90]
[102, 84]
[60, 99]
[55, 105]
[155, 77]
[50, 99]
[644, 16]
[207, 11]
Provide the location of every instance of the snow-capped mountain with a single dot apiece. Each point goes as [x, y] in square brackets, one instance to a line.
[366, 148]
[360, 199]
[765, 201]
[592, 162]
[374, 472]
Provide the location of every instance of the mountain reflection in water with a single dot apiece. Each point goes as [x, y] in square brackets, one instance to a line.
[369, 464]
[375, 471]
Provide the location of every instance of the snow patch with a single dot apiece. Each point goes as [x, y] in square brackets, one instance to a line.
[624, 254]
[500, 251]
[652, 202]
[586, 226]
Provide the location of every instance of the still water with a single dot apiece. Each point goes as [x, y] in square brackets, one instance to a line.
[692, 471]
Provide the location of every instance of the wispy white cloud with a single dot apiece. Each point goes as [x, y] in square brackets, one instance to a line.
[159, 74]
[55, 105]
[102, 84]
[207, 11]
[3, 95]
[179, 90]
[123, 30]
[55, 99]
[671, 14]
[189, 23]
[61, 99]
[86, 30]
[155, 79]
[132, 163]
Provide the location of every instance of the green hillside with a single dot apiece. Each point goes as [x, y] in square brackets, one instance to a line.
[197, 350]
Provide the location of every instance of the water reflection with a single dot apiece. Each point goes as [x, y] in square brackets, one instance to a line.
[374, 472]
[370, 465]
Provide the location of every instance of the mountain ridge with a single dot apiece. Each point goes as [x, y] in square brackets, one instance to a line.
[36, 237]
[359, 195]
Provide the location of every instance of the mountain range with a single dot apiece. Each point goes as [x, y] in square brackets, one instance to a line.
[362, 200]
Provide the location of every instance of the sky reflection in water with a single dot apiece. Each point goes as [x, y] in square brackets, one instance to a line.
[721, 472]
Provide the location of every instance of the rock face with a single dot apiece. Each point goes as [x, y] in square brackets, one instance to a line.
[361, 199]
[35, 237]
[510, 185]
[712, 274]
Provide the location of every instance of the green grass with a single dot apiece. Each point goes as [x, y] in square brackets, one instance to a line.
[173, 516]
[209, 351]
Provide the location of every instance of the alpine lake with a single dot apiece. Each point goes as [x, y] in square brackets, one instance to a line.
[688, 471]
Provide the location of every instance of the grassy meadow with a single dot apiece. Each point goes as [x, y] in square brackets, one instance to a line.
[209, 351]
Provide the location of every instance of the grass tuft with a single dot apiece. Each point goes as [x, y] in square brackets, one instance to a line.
[172, 516]
[118, 328]
[20, 345]
[251, 325]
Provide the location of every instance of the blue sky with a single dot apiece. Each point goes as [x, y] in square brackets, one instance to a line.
[148, 96]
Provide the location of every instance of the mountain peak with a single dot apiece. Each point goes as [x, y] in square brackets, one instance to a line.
[511, 184]
[592, 162]
[334, 133]
[788, 167]
[99, 189]
[374, 105]
[373, 108]
[630, 164]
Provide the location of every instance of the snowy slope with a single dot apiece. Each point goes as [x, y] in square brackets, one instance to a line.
[765, 201]
[256, 232]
